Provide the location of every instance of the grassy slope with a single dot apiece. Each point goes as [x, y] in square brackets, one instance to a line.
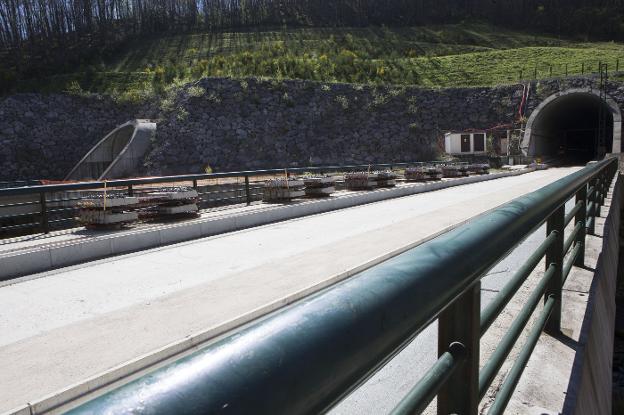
[438, 56]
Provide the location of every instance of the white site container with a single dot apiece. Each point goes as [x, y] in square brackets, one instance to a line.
[465, 143]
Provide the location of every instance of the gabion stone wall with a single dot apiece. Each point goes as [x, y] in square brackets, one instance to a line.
[225, 124]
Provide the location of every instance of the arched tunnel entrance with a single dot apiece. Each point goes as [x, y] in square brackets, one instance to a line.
[573, 127]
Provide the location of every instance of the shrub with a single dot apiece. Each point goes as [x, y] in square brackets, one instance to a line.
[170, 73]
[199, 68]
[343, 101]
[158, 77]
[74, 88]
[196, 91]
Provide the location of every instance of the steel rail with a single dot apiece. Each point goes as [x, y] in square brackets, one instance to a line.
[490, 370]
[573, 212]
[570, 262]
[421, 395]
[493, 309]
[510, 383]
[572, 237]
[203, 176]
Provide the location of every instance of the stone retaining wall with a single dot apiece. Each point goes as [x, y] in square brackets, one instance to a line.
[248, 124]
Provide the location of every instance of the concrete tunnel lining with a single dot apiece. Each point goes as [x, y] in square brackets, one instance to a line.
[118, 154]
[568, 120]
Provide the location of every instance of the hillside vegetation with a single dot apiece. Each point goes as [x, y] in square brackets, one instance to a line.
[431, 56]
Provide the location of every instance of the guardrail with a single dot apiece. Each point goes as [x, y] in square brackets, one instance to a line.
[307, 356]
[19, 183]
[46, 207]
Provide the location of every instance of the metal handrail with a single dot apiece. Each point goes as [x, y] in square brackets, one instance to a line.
[13, 191]
[306, 357]
[15, 183]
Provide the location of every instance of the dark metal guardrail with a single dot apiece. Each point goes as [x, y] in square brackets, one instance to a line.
[306, 357]
[19, 183]
[42, 208]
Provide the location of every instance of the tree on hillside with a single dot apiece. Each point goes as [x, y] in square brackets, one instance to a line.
[43, 36]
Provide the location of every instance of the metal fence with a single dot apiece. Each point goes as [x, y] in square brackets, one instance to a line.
[545, 70]
[307, 356]
[43, 208]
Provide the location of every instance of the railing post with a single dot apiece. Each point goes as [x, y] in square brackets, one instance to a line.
[460, 322]
[130, 190]
[581, 216]
[598, 192]
[195, 184]
[247, 190]
[604, 187]
[598, 196]
[44, 213]
[554, 256]
[592, 200]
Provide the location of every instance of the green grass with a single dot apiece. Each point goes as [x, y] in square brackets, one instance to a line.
[432, 56]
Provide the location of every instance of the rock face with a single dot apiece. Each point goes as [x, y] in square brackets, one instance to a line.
[249, 124]
[231, 125]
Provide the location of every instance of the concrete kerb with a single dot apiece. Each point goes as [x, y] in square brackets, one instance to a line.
[52, 256]
[64, 399]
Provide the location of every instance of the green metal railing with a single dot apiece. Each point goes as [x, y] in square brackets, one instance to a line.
[309, 355]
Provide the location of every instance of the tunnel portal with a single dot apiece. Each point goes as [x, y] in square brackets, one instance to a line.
[573, 128]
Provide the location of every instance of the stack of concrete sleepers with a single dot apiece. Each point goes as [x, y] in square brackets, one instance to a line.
[107, 211]
[276, 190]
[369, 180]
[172, 201]
[423, 174]
[451, 171]
[360, 181]
[479, 168]
[319, 186]
[386, 179]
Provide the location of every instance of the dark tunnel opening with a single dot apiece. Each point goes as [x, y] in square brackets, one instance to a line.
[573, 129]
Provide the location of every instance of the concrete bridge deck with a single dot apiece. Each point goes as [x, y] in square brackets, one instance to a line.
[66, 328]
[42, 252]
